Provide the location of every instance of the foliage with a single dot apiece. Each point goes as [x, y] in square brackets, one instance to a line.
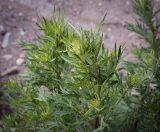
[75, 84]
[147, 68]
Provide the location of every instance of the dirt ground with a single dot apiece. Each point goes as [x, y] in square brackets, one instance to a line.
[18, 17]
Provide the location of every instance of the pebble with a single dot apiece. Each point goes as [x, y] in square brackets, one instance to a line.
[128, 3]
[124, 24]
[22, 55]
[7, 56]
[99, 4]
[131, 34]
[43, 92]
[34, 19]
[105, 35]
[109, 29]
[20, 14]
[22, 32]
[20, 61]
[153, 86]
[10, 7]
[134, 93]
[90, 1]
[1, 28]
[10, 71]
[2, 31]
[6, 40]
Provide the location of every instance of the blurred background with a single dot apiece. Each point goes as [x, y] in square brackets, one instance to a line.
[18, 20]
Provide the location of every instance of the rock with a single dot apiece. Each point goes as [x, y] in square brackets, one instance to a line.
[7, 57]
[6, 40]
[90, 1]
[10, 71]
[124, 24]
[99, 4]
[134, 92]
[22, 55]
[153, 86]
[105, 35]
[130, 35]
[20, 61]
[20, 14]
[43, 92]
[109, 29]
[2, 28]
[22, 32]
[128, 3]
[34, 19]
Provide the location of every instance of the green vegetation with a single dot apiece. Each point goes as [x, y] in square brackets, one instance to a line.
[74, 84]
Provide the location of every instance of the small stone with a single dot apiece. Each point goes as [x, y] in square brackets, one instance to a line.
[19, 61]
[131, 34]
[43, 92]
[124, 24]
[109, 29]
[105, 35]
[20, 14]
[7, 56]
[1, 28]
[34, 19]
[10, 7]
[153, 86]
[99, 4]
[134, 93]
[10, 71]
[72, 70]
[22, 32]
[90, 1]
[6, 40]
[22, 55]
[128, 3]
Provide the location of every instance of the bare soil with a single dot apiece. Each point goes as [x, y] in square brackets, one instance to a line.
[19, 17]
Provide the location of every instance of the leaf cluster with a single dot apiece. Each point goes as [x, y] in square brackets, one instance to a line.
[72, 84]
[75, 84]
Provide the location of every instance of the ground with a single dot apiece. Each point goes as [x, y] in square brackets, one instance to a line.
[19, 17]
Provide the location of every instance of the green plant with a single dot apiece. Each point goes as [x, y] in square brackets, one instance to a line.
[73, 84]
[147, 108]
